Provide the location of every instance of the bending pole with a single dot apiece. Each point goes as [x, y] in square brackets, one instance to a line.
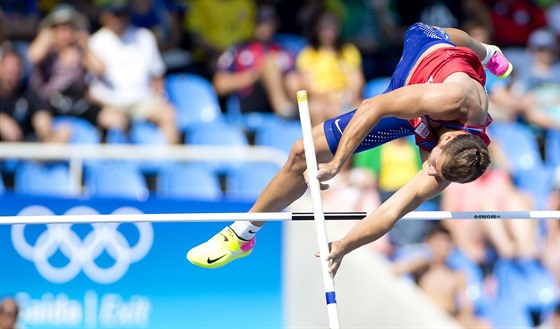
[318, 213]
[268, 216]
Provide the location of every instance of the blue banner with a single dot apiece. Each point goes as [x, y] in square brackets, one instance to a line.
[133, 275]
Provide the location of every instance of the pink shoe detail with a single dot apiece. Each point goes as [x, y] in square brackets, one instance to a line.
[248, 245]
[498, 64]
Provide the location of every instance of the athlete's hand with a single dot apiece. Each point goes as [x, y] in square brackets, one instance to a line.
[335, 256]
[325, 172]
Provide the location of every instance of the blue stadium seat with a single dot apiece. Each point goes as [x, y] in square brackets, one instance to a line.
[520, 147]
[144, 132]
[527, 283]
[376, 86]
[43, 179]
[552, 147]
[216, 134]
[194, 99]
[248, 181]
[249, 121]
[291, 42]
[147, 133]
[116, 179]
[2, 187]
[141, 133]
[117, 136]
[518, 143]
[518, 56]
[83, 132]
[282, 135]
[507, 314]
[188, 181]
[458, 261]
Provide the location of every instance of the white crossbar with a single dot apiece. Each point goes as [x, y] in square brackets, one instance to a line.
[268, 216]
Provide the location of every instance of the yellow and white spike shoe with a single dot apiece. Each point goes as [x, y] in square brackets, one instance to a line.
[221, 249]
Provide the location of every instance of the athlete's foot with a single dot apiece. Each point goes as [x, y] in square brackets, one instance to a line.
[221, 249]
[498, 64]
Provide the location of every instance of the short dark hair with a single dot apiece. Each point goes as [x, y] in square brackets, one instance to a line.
[7, 49]
[467, 159]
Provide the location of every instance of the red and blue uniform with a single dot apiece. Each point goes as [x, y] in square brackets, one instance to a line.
[434, 68]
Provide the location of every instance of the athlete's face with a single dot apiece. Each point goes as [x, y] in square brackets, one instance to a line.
[435, 162]
[437, 158]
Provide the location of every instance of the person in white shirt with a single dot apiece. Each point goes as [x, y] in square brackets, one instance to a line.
[134, 70]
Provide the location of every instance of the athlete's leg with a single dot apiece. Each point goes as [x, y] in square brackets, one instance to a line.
[463, 39]
[237, 240]
[490, 56]
[288, 185]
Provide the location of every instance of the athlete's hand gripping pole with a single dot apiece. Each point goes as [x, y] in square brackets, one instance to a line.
[318, 213]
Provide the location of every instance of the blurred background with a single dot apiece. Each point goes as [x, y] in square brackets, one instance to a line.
[168, 106]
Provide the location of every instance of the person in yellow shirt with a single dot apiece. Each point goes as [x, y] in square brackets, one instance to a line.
[394, 163]
[330, 70]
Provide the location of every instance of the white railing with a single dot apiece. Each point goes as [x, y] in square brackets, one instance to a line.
[76, 154]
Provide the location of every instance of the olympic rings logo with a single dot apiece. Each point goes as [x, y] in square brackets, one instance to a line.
[82, 253]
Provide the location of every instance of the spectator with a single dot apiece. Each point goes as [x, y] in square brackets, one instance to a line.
[395, 163]
[514, 20]
[62, 59]
[213, 26]
[330, 70]
[9, 311]
[515, 238]
[444, 13]
[445, 286]
[259, 72]
[553, 18]
[158, 17]
[134, 70]
[297, 16]
[539, 82]
[370, 25]
[23, 115]
[353, 189]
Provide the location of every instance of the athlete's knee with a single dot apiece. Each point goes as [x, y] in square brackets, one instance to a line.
[296, 159]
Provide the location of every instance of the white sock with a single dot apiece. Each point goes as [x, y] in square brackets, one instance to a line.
[489, 53]
[244, 229]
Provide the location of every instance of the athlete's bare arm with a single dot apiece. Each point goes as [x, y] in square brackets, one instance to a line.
[454, 101]
[418, 190]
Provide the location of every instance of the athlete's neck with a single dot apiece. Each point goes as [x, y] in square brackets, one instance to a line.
[442, 130]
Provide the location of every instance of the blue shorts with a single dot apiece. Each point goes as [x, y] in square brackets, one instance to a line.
[418, 38]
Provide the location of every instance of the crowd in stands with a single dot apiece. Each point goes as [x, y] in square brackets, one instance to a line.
[113, 64]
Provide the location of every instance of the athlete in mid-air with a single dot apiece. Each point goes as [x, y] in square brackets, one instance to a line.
[436, 94]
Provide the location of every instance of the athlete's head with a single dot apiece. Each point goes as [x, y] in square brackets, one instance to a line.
[459, 158]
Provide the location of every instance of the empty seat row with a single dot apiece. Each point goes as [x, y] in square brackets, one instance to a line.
[195, 180]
